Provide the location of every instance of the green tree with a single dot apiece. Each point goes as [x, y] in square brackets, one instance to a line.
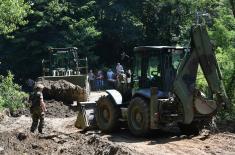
[11, 95]
[53, 23]
[12, 15]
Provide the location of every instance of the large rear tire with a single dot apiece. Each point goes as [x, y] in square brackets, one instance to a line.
[138, 117]
[107, 114]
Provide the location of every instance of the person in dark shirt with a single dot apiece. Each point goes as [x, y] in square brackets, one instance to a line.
[37, 109]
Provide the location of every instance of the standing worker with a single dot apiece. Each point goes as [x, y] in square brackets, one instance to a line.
[128, 78]
[119, 68]
[91, 78]
[110, 79]
[37, 108]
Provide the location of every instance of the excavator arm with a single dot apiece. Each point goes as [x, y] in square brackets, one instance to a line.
[201, 53]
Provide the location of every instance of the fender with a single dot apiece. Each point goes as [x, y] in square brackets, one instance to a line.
[116, 96]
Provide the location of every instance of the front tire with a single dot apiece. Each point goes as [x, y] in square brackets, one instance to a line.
[107, 114]
[138, 117]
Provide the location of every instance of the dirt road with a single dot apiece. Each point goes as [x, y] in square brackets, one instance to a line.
[61, 137]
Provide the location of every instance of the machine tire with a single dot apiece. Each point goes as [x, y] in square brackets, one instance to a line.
[105, 106]
[138, 107]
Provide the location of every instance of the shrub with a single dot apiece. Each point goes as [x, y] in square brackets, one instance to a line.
[11, 95]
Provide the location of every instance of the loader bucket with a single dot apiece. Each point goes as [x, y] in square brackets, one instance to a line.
[86, 116]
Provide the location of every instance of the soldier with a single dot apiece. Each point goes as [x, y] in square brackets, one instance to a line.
[37, 108]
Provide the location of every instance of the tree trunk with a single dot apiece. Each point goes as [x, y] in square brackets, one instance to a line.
[232, 2]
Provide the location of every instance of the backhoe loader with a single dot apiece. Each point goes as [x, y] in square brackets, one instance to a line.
[163, 89]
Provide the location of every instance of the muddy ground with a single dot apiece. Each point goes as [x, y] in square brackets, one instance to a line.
[61, 137]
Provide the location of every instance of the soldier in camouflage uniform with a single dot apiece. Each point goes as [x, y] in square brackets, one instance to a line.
[37, 108]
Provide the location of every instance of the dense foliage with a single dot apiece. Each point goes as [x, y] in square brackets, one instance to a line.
[102, 29]
[12, 15]
[11, 95]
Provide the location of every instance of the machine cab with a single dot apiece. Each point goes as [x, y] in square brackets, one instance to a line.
[64, 61]
[156, 66]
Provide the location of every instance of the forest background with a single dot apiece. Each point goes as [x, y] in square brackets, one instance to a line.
[103, 29]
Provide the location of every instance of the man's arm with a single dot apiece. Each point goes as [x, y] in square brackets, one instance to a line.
[43, 105]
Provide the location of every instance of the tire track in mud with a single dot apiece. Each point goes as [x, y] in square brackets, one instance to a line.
[173, 144]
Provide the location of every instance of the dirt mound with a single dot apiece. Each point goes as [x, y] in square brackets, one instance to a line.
[60, 110]
[61, 137]
[58, 143]
[62, 90]
[55, 109]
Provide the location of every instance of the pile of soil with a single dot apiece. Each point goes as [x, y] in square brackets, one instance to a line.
[55, 109]
[63, 90]
[23, 142]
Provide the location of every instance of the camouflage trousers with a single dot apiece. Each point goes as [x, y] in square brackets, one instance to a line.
[38, 119]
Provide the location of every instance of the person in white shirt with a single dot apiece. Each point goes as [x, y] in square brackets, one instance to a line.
[99, 80]
[119, 68]
[110, 78]
[110, 74]
[91, 78]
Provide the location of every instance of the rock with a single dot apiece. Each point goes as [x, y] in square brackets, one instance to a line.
[106, 136]
[34, 146]
[204, 134]
[63, 136]
[62, 150]
[7, 112]
[183, 136]
[21, 136]
[1, 150]
[174, 137]
[16, 113]
[207, 146]
[59, 140]
[47, 136]
[56, 139]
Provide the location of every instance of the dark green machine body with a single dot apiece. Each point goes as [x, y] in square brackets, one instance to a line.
[155, 71]
[163, 88]
[66, 64]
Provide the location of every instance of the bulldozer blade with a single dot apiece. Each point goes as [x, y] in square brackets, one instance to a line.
[86, 116]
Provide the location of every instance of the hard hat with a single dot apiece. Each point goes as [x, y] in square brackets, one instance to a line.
[39, 86]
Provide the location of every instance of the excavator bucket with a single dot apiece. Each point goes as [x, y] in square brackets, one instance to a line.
[86, 116]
